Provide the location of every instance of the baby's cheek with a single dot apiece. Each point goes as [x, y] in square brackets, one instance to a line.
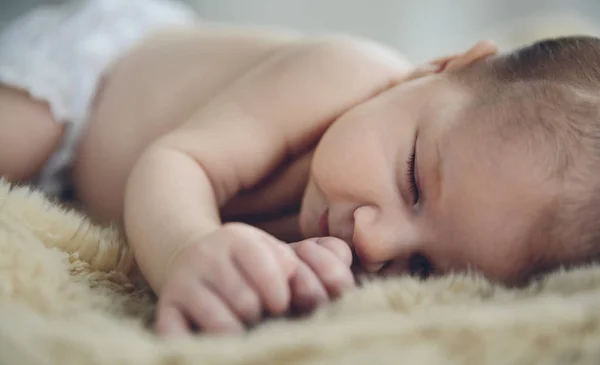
[340, 152]
[504, 267]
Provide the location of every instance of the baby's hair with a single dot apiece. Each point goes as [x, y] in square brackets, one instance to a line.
[573, 59]
[549, 94]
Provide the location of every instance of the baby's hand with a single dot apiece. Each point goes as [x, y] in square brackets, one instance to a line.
[225, 281]
[324, 272]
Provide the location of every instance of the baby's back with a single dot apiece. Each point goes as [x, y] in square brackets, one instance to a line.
[154, 89]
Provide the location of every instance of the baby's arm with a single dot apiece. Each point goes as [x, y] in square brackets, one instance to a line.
[176, 188]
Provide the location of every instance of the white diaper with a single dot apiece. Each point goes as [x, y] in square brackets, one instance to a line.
[59, 53]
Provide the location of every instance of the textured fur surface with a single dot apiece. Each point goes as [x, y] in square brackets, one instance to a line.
[65, 298]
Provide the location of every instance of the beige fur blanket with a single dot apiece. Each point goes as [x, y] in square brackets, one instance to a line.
[65, 299]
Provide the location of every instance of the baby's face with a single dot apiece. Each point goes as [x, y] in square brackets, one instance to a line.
[414, 184]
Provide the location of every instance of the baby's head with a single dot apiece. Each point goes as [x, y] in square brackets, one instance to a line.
[480, 161]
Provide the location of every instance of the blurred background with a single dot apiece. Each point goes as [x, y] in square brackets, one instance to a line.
[420, 29]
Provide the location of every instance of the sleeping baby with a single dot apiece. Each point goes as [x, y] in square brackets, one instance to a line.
[256, 171]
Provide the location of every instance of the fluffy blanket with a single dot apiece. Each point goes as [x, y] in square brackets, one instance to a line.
[65, 298]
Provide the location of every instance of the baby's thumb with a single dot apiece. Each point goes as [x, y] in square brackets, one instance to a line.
[338, 247]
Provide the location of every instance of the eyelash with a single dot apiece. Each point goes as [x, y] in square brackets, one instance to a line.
[412, 181]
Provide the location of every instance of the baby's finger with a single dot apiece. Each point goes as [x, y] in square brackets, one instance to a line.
[209, 312]
[170, 321]
[307, 290]
[288, 260]
[335, 275]
[231, 286]
[338, 247]
[259, 264]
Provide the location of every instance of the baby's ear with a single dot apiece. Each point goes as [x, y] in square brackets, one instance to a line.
[479, 51]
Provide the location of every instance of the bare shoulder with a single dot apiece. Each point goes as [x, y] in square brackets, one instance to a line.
[364, 52]
[324, 78]
[304, 85]
[282, 105]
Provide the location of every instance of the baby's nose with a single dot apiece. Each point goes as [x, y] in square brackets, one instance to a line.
[380, 237]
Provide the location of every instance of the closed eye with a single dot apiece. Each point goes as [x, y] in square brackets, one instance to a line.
[410, 174]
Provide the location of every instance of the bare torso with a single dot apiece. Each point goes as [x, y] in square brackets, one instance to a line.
[156, 88]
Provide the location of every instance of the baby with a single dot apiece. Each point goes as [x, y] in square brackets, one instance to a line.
[253, 171]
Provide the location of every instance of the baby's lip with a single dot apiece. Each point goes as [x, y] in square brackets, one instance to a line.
[324, 223]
